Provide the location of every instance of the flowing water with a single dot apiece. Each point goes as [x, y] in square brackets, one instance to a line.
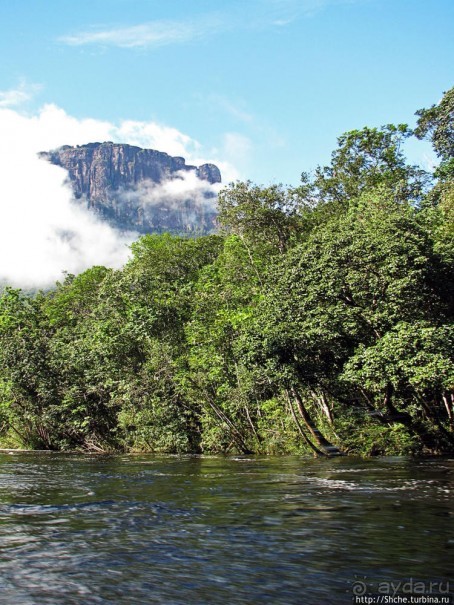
[127, 530]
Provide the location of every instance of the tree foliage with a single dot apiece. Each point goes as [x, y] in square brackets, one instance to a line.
[366, 159]
[319, 320]
[437, 125]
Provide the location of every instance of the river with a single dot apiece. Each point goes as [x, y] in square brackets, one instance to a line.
[126, 530]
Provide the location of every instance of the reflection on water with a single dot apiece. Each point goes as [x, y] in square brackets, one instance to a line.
[126, 530]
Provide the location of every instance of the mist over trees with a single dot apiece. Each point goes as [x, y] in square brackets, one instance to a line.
[318, 319]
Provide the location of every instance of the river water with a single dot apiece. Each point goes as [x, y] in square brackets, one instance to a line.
[127, 530]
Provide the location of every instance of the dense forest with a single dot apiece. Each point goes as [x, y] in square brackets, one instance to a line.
[318, 319]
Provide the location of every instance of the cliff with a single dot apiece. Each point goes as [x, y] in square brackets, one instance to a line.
[129, 187]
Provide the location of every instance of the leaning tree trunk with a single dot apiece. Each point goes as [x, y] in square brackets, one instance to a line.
[448, 400]
[320, 439]
[314, 448]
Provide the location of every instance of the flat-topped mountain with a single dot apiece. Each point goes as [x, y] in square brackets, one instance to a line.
[140, 189]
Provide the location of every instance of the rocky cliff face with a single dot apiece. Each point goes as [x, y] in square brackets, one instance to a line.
[140, 189]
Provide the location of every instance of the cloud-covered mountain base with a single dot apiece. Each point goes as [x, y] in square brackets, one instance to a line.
[141, 190]
[42, 231]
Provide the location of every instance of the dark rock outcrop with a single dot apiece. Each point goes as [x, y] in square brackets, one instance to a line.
[129, 187]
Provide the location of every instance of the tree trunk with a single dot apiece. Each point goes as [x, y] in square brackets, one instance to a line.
[313, 447]
[415, 427]
[448, 400]
[323, 405]
[320, 439]
[236, 435]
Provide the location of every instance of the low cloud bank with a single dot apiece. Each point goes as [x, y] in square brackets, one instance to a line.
[183, 186]
[42, 232]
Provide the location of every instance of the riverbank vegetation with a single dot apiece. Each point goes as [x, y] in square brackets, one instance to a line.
[318, 319]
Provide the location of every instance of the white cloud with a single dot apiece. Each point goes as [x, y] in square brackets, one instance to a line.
[241, 16]
[10, 98]
[19, 95]
[156, 136]
[145, 35]
[172, 193]
[42, 233]
[237, 147]
[233, 108]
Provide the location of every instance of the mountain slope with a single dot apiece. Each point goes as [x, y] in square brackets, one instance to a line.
[139, 189]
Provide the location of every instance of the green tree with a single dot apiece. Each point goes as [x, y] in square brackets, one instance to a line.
[437, 125]
[158, 289]
[29, 381]
[266, 219]
[412, 365]
[344, 290]
[223, 299]
[365, 159]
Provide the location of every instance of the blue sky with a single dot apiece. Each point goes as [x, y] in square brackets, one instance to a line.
[263, 87]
